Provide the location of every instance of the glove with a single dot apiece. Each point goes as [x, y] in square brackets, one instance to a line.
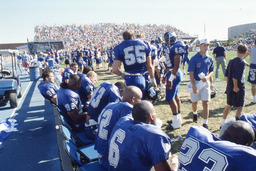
[152, 82]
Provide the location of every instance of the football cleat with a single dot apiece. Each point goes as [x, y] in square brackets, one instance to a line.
[195, 118]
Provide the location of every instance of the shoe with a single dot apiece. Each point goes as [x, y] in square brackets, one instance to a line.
[205, 125]
[169, 121]
[254, 100]
[195, 118]
[176, 122]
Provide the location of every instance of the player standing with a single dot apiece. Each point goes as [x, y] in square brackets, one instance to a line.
[174, 52]
[135, 55]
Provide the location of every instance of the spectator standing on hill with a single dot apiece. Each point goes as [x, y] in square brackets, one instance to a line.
[252, 71]
[219, 54]
[201, 68]
[235, 79]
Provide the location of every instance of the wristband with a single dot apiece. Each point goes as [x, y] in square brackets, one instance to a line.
[172, 77]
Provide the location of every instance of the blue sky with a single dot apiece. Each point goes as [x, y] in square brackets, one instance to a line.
[19, 17]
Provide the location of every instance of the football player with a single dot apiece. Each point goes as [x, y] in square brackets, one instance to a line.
[103, 95]
[47, 87]
[202, 150]
[108, 118]
[185, 57]
[69, 103]
[137, 144]
[135, 55]
[68, 71]
[174, 52]
[87, 87]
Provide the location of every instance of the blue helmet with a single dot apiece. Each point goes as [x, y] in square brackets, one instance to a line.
[158, 39]
[170, 37]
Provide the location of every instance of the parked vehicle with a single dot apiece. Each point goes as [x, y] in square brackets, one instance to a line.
[10, 86]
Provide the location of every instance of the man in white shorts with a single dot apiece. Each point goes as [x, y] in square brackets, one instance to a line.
[201, 68]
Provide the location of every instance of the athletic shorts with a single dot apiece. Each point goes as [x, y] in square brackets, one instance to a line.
[25, 64]
[252, 74]
[204, 94]
[171, 94]
[236, 99]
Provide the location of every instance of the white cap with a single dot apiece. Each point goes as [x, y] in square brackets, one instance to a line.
[204, 42]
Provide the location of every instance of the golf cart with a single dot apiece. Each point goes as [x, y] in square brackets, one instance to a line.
[10, 86]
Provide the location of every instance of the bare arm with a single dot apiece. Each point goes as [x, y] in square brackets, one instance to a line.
[177, 61]
[235, 82]
[115, 68]
[54, 99]
[150, 67]
[247, 54]
[76, 117]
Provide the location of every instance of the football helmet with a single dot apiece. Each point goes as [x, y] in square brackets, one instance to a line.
[158, 39]
[170, 37]
[152, 94]
[213, 92]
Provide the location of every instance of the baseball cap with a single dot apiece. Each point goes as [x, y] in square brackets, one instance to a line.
[204, 42]
[217, 43]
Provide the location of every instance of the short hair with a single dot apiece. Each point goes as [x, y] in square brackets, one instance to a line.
[242, 48]
[91, 74]
[141, 110]
[74, 79]
[46, 74]
[73, 64]
[87, 69]
[239, 132]
[141, 36]
[130, 92]
[120, 85]
[128, 35]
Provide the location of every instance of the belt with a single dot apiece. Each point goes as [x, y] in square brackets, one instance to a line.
[135, 74]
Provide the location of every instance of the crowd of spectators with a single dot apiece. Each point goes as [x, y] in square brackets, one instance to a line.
[103, 35]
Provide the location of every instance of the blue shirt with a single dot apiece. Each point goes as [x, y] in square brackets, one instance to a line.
[198, 64]
[219, 51]
[235, 69]
[107, 120]
[133, 54]
[251, 119]
[137, 146]
[68, 101]
[103, 95]
[202, 150]
[85, 89]
[66, 74]
[177, 49]
[48, 90]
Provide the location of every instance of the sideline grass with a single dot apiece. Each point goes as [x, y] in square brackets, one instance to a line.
[216, 105]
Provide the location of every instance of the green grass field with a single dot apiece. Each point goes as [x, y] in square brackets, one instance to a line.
[216, 106]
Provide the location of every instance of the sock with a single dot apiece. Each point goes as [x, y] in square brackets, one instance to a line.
[223, 122]
[175, 116]
[195, 113]
[205, 121]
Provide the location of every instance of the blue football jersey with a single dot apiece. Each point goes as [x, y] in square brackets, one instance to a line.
[202, 150]
[85, 89]
[48, 90]
[66, 74]
[137, 146]
[68, 101]
[107, 120]
[153, 52]
[103, 95]
[198, 64]
[133, 54]
[251, 119]
[177, 49]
